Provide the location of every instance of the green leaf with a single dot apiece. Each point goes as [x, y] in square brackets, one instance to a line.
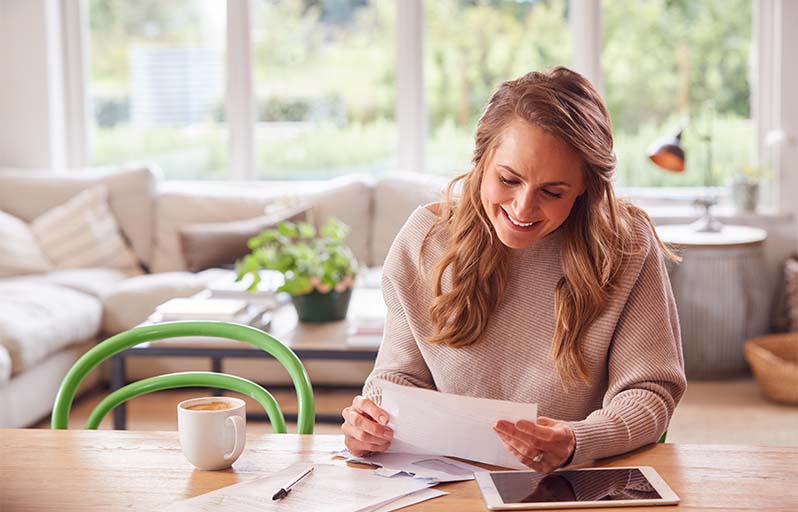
[297, 285]
[295, 250]
[288, 229]
[248, 265]
[255, 281]
[306, 230]
[334, 229]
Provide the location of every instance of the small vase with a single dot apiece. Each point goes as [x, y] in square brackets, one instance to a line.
[316, 307]
[744, 195]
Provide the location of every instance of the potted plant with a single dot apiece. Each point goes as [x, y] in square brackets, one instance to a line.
[319, 269]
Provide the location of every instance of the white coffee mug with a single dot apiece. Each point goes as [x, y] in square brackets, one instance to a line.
[212, 430]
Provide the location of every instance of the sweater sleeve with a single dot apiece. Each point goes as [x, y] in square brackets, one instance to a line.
[645, 370]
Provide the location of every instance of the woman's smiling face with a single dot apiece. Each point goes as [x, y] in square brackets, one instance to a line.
[529, 184]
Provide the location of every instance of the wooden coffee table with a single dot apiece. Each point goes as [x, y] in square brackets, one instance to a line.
[333, 341]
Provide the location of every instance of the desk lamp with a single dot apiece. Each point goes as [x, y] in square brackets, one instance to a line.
[667, 153]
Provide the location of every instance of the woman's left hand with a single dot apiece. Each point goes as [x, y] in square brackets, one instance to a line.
[543, 445]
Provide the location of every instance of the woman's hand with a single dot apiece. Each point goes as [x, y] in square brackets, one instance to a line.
[544, 445]
[365, 428]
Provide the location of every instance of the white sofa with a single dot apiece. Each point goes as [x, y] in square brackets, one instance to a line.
[48, 320]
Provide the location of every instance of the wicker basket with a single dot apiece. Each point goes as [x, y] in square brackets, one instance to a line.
[774, 360]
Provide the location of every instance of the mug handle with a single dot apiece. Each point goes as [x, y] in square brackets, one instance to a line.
[239, 427]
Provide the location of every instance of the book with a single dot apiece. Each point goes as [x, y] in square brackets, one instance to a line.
[366, 318]
[201, 309]
[265, 294]
[367, 312]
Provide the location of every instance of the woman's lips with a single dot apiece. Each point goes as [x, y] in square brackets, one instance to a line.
[515, 227]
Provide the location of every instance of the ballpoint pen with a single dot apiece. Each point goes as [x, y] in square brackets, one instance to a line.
[284, 490]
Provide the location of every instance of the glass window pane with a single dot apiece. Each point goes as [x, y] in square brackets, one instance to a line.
[679, 64]
[157, 85]
[324, 87]
[473, 45]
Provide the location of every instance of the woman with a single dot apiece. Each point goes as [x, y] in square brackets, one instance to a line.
[534, 284]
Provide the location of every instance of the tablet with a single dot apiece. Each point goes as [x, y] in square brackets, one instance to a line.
[574, 488]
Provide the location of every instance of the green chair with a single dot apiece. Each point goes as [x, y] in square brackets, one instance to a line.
[662, 438]
[115, 344]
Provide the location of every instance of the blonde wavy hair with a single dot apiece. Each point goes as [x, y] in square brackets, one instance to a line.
[598, 234]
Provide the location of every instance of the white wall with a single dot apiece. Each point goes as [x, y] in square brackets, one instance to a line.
[788, 190]
[31, 103]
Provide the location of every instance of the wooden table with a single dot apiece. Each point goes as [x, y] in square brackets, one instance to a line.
[71, 470]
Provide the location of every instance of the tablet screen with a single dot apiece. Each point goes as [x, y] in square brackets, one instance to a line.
[583, 485]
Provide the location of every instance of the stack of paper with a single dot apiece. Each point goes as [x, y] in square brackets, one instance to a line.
[329, 487]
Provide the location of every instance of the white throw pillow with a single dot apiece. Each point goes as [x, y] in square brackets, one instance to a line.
[82, 233]
[19, 251]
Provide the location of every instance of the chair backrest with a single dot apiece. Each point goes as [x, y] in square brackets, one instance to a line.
[306, 409]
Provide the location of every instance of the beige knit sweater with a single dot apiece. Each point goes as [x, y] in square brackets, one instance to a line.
[633, 350]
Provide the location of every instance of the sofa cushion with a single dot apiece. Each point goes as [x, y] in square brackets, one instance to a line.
[82, 233]
[219, 244]
[19, 251]
[351, 201]
[348, 198]
[96, 282]
[28, 398]
[395, 198]
[5, 365]
[134, 299]
[27, 194]
[38, 319]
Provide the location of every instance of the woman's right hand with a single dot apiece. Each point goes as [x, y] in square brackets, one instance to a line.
[365, 427]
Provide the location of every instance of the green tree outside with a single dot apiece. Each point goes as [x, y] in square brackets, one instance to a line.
[325, 70]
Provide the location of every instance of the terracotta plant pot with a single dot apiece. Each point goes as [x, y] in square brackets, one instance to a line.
[316, 307]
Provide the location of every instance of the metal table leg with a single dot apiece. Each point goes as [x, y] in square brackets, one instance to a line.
[216, 367]
[118, 378]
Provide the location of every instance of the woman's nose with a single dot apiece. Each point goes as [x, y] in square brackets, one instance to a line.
[525, 205]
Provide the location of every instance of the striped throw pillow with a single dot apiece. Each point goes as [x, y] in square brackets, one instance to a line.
[19, 250]
[82, 233]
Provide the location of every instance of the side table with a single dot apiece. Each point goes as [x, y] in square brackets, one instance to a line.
[720, 293]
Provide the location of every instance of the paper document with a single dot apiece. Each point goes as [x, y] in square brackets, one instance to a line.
[437, 423]
[433, 468]
[329, 488]
[406, 501]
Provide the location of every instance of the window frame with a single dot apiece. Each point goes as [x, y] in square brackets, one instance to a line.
[411, 109]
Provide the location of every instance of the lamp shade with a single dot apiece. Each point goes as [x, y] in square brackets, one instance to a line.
[667, 153]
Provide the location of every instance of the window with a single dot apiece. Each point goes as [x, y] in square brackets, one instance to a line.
[324, 81]
[678, 64]
[156, 85]
[472, 46]
[324, 87]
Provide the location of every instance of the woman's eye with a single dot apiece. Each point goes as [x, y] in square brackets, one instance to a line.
[507, 181]
[549, 193]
